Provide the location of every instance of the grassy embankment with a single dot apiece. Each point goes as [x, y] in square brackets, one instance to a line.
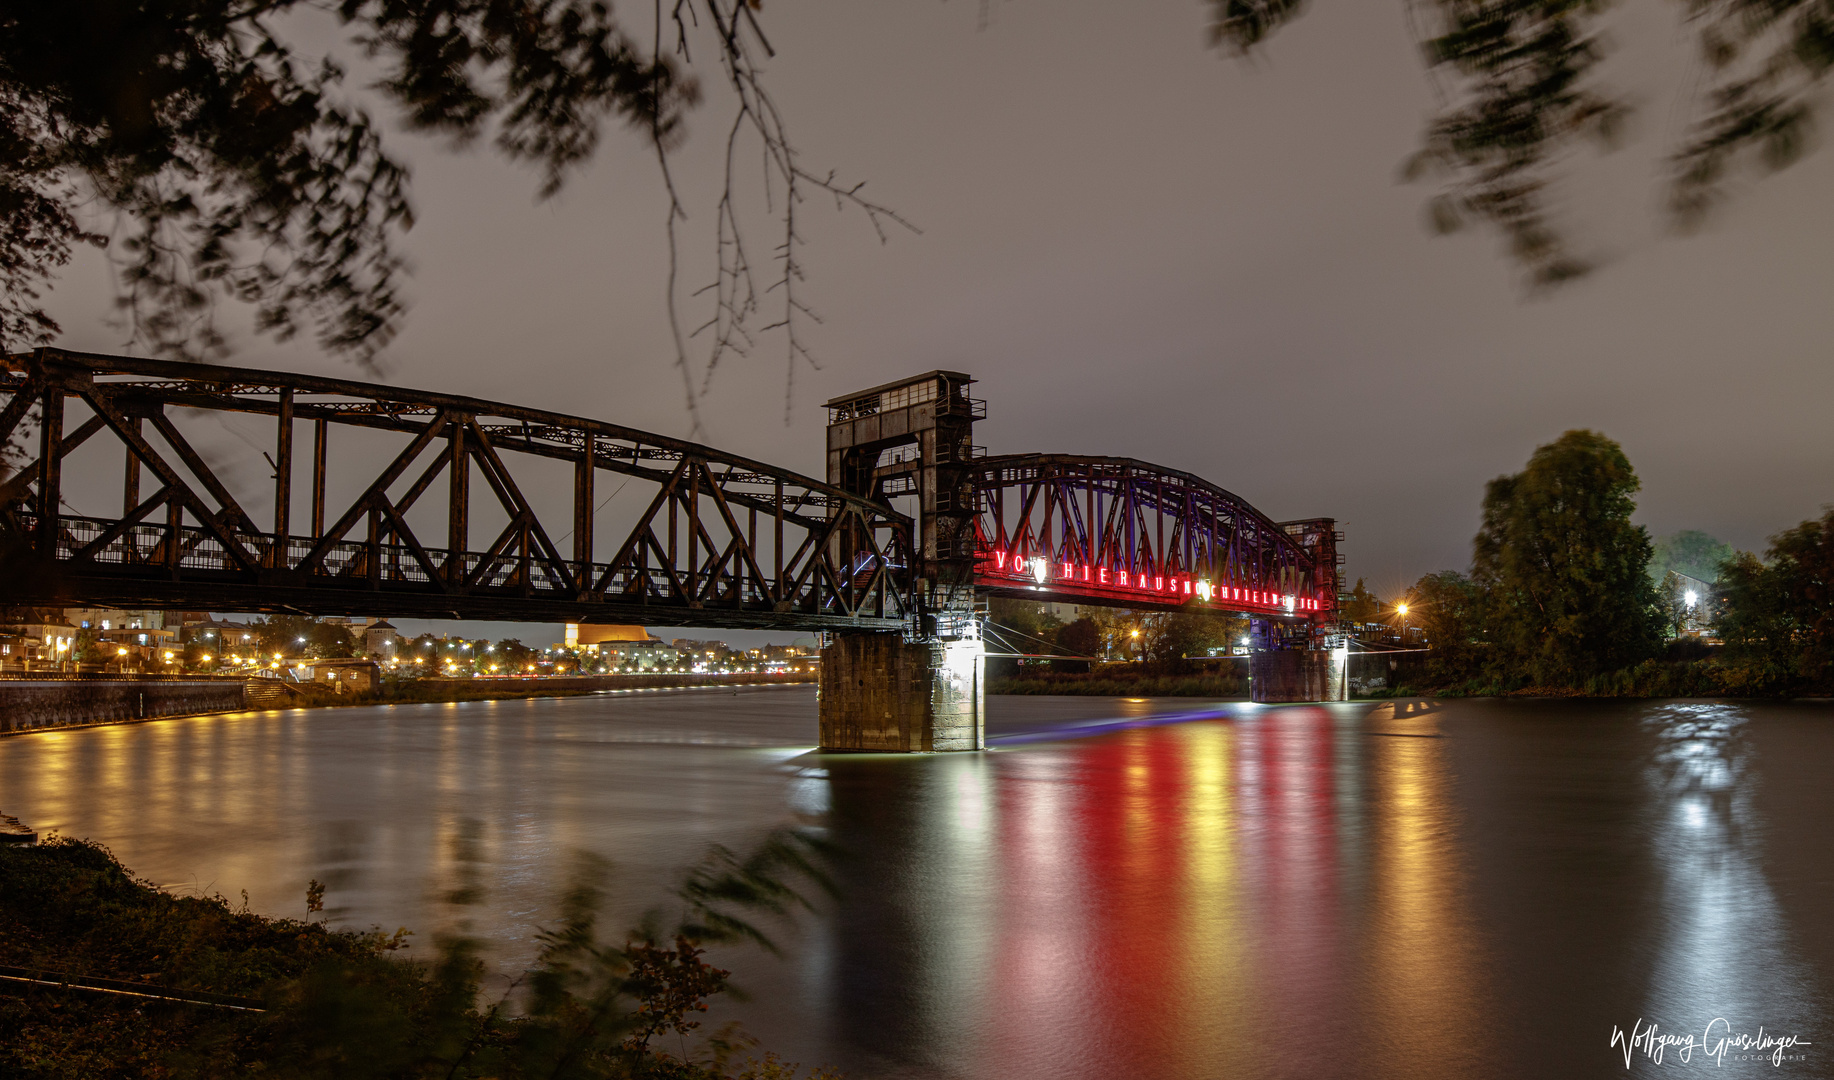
[331, 1003]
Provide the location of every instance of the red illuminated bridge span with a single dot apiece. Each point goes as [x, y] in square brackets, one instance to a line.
[1125, 533]
[1091, 530]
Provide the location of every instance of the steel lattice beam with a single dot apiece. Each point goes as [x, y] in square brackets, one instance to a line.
[827, 559]
[1125, 533]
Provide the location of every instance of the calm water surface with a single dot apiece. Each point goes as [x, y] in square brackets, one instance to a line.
[1124, 888]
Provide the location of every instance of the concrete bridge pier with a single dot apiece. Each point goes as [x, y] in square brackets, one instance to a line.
[882, 693]
[1293, 675]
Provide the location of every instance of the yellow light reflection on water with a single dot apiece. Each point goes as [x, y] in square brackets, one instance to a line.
[1211, 931]
[1427, 992]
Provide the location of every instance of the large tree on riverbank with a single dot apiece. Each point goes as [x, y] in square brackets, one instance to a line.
[1450, 610]
[1778, 620]
[1563, 567]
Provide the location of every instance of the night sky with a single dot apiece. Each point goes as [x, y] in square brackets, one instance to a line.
[1144, 248]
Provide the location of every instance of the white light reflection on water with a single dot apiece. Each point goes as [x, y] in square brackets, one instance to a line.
[1724, 947]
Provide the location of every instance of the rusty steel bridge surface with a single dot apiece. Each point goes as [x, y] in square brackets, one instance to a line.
[723, 541]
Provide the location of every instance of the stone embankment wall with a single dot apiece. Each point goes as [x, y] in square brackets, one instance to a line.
[1291, 675]
[27, 704]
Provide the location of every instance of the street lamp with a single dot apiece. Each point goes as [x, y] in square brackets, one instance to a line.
[1401, 609]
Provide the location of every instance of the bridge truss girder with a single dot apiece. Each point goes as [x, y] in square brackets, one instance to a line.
[827, 559]
[1104, 525]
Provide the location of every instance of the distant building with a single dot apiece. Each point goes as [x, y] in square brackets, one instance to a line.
[701, 652]
[628, 648]
[380, 638]
[139, 642]
[39, 641]
[115, 619]
[646, 655]
[221, 636]
[1693, 598]
[579, 635]
[347, 675]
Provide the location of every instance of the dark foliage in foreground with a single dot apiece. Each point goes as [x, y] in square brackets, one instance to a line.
[346, 1005]
[238, 168]
[1519, 88]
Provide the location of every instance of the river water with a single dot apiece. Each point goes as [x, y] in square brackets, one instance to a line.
[1122, 888]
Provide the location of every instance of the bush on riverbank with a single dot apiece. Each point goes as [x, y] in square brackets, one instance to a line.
[1649, 679]
[345, 1004]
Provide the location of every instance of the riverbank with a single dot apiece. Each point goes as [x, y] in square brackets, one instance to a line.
[434, 690]
[1650, 679]
[102, 974]
[34, 702]
[63, 702]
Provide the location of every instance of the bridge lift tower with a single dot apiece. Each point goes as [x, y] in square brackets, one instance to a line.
[922, 689]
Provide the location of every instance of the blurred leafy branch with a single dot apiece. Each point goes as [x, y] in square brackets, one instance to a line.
[212, 159]
[195, 142]
[344, 1004]
[1517, 86]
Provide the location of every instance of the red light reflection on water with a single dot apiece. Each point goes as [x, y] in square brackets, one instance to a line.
[1164, 891]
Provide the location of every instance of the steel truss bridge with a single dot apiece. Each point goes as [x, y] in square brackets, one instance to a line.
[1120, 532]
[723, 541]
[115, 504]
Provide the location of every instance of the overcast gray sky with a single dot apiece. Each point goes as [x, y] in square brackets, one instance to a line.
[1144, 248]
